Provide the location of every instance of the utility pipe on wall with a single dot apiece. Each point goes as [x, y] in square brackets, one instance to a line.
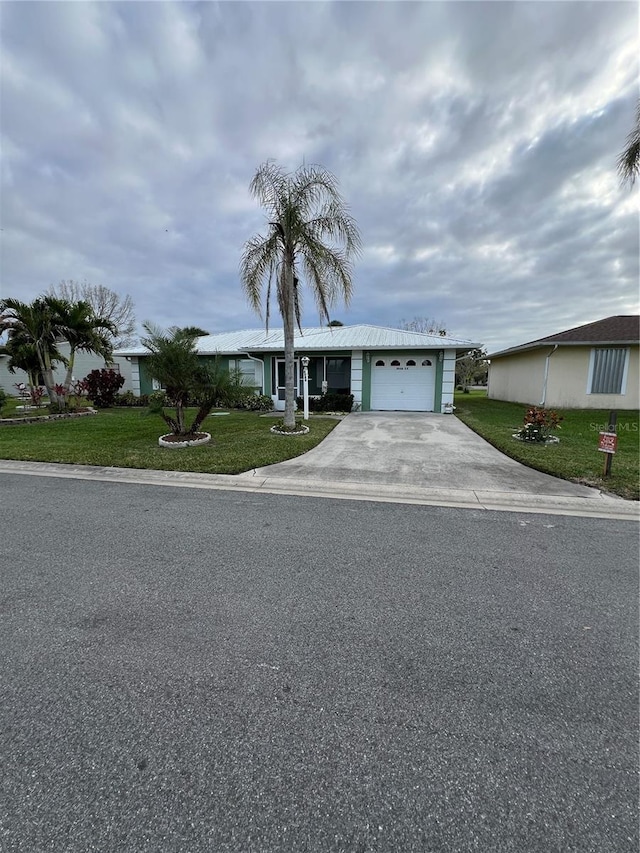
[546, 375]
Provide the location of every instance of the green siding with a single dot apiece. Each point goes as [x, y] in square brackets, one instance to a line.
[267, 375]
[437, 398]
[366, 384]
[145, 380]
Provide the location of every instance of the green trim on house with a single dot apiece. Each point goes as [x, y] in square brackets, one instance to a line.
[437, 397]
[366, 383]
[268, 367]
[146, 386]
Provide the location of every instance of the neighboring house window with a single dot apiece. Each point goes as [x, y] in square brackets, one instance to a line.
[156, 386]
[608, 371]
[246, 368]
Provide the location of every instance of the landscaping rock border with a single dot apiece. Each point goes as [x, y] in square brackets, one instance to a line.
[165, 440]
[43, 418]
[551, 439]
[302, 430]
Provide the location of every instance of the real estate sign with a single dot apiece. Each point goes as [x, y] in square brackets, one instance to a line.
[608, 442]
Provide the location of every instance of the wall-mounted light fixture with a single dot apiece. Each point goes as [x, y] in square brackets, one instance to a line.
[367, 357]
[441, 355]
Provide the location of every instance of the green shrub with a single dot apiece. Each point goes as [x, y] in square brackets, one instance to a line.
[130, 400]
[3, 400]
[254, 402]
[329, 402]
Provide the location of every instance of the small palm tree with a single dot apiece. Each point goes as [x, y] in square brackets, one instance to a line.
[311, 235]
[23, 356]
[83, 330]
[34, 325]
[173, 361]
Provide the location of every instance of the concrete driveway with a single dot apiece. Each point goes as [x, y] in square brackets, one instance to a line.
[405, 453]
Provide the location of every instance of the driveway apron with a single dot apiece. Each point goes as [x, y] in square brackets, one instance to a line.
[417, 449]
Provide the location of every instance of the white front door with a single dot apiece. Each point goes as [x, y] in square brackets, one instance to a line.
[403, 383]
[278, 397]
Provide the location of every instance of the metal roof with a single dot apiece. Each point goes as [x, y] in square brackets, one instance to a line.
[360, 337]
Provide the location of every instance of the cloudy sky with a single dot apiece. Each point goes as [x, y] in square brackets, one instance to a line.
[475, 143]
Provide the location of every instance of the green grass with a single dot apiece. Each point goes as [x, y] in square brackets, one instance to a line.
[127, 438]
[576, 457]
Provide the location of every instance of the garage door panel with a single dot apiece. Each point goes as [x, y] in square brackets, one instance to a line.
[400, 383]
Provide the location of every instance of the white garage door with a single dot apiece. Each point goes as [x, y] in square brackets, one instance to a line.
[403, 383]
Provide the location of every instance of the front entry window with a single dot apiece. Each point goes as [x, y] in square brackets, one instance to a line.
[339, 375]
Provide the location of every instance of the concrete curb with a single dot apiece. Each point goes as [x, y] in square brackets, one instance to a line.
[594, 505]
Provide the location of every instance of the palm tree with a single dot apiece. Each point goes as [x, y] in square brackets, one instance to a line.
[23, 356]
[629, 160]
[175, 364]
[83, 330]
[34, 325]
[304, 211]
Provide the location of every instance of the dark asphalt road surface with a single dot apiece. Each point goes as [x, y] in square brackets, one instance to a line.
[189, 670]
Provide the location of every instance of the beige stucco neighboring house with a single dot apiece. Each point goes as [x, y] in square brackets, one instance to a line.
[595, 366]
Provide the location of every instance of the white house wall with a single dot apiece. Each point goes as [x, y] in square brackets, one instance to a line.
[135, 375]
[356, 378]
[448, 378]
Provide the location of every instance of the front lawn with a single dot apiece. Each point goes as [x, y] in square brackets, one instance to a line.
[128, 438]
[576, 457]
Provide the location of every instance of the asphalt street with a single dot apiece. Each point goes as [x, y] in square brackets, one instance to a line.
[200, 670]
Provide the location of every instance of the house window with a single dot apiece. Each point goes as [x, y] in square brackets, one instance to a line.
[608, 370]
[379, 363]
[426, 363]
[246, 369]
[395, 363]
[339, 375]
[411, 363]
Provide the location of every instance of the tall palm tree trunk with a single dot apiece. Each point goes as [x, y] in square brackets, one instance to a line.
[46, 369]
[69, 375]
[289, 354]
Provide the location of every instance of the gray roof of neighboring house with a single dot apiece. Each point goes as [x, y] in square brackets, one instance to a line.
[361, 337]
[616, 331]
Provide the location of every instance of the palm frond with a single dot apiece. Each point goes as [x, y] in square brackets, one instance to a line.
[629, 160]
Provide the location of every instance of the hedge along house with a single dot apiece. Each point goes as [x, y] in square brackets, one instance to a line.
[595, 366]
[384, 369]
